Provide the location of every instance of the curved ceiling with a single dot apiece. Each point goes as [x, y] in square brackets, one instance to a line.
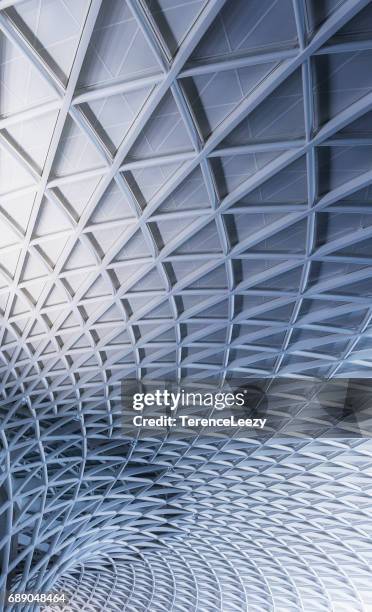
[185, 193]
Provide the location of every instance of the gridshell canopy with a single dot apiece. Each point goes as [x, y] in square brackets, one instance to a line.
[185, 193]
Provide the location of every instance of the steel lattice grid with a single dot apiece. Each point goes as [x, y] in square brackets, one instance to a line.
[185, 192]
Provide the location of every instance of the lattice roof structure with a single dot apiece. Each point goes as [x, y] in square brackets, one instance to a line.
[185, 193]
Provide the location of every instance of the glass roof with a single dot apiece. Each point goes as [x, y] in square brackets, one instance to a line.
[185, 193]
